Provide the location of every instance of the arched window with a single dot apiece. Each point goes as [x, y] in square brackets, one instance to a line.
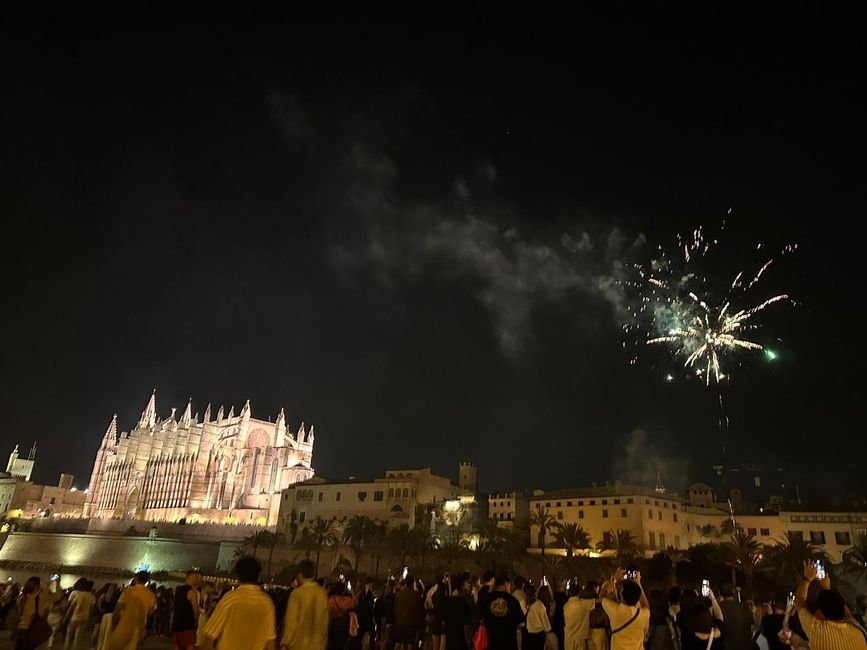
[255, 471]
[390, 493]
[273, 485]
[405, 493]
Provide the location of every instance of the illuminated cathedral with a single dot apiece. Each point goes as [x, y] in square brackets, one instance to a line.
[229, 469]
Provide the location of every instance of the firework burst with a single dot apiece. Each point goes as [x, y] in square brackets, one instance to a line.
[678, 307]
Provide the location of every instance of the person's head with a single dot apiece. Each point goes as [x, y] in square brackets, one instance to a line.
[194, 577]
[502, 583]
[79, 584]
[658, 607]
[832, 605]
[688, 599]
[530, 591]
[32, 585]
[574, 589]
[463, 582]
[337, 589]
[703, 621]
[591, 590]
[518, 582]
[630, 593]
[142, 578]
[674, 594]
[813, 591]
[306, 570]
[409, 581]
[88, 585]
[726, 590]
[248, 569]
[762, 610]
[544, 595]
[111, 589]
[488, 578]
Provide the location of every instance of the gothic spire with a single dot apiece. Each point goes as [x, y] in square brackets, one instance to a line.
[660, 488]
[245, 412]
[280, 427]
[149, 415]
[207, 414]
[187, 416]
[110, 437]
[220, 415]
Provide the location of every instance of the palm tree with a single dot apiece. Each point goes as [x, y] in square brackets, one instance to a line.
[424, 540]
[855, 558]
[305, 542]
[743, 553]
[324, 534]
[356, 535]
[545, 521]
[622, 542]
[273, 540]
[400, 542]
[571, 536]
[676, 556]
[376, 544]
[254, 542]
[729, 526]
[786, 558]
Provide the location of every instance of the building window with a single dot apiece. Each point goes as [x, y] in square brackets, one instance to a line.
[674, 516]
[377, 495]
[623, 512]
[559, 514]
[659, 515]
[751, 531]
[406, 493]
[509, 516]
[651, 536]
[362, 496]
[592, 502]
[569, 503]
[548, 504]
[650, 514]
[320, 496]
[580, 514]
[580, 503]
[817, 537]
[630, 500]
[677, 541]
[656, 503]
[758, 481]
[665, 504]
[797, 535]
[337, 497]
[604, 502]
[842, 538]
[302, 517]
[616, 502]
[605, 514]
[51, 501]
[662, 540]
[765, 531]
[558, 504]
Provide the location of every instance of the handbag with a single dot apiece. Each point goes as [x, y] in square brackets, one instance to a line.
[39, 631]
[480, 640]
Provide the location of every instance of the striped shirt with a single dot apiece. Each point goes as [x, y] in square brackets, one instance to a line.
[831, 635]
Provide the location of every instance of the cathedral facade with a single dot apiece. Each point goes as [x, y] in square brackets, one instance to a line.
[229, 469]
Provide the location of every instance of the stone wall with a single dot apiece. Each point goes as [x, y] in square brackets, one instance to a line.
[196, 532]
[110, 551]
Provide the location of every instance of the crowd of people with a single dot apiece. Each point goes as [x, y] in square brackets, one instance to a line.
[460, 612]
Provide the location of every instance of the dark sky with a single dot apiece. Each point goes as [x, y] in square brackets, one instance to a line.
[362, 220]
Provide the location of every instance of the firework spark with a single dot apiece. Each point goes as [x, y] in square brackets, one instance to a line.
[682, 312]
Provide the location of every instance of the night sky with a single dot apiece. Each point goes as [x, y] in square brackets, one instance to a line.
[366, 221]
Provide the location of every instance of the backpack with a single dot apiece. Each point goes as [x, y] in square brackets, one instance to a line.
[480, 640]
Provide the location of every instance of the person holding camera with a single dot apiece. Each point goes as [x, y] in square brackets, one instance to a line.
[627, 608]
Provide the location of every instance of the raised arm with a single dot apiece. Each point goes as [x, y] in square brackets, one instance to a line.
[609, 588]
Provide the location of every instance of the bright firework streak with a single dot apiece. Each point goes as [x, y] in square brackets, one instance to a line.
[683, 315]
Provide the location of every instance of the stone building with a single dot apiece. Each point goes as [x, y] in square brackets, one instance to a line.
[400, 497]
[227, 469]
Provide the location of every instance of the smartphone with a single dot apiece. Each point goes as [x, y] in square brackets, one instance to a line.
[54, 577]
[820, 569]
[349, 585]
[405, 572]
[630, 575]
[705, 587]
[544, 581]
[568, 585]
